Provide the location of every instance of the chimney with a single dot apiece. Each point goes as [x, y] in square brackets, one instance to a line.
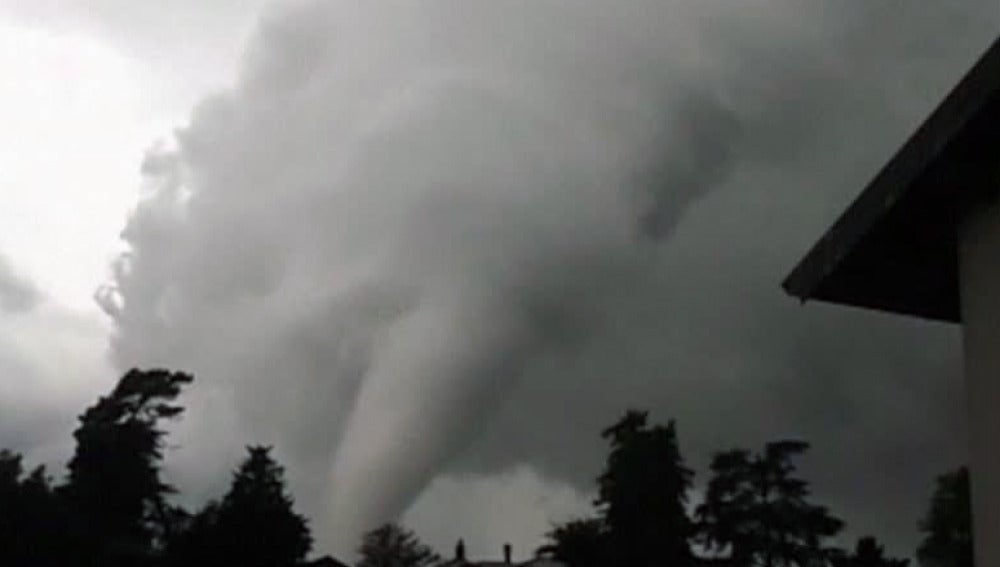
[506, 553]
[460, 551]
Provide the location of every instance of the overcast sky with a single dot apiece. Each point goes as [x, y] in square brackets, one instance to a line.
[430, 249]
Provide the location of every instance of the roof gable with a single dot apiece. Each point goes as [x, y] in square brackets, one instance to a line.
[895, 247]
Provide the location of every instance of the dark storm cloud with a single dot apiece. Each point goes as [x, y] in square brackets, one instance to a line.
[709, 339]
[455, 236]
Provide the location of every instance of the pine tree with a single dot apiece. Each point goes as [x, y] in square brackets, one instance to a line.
[253, 526]
[114, 487]
[642, 495]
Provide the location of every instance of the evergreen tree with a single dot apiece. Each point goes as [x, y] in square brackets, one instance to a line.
[253, 526]
[392, 545]
[759, 511]
[642, 495]
[947, 526]
[114, 487]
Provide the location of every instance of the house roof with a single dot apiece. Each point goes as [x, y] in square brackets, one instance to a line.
[895, 248]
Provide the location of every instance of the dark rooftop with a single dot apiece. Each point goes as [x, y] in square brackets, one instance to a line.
[895, 248]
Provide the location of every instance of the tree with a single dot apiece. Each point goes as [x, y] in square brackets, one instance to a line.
[868, 553]
[257, 509]
[253, 526]
[642, 494]
[947, 527]
[32, 525]
[392, 545]
[757, 510]
[10, 471]
[194, 539]
[578, 543]
[12, 508]
[114, 486]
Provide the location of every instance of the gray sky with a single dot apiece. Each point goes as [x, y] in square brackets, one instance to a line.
[429, 250]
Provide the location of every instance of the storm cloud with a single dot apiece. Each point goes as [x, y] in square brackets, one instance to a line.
[422, 239]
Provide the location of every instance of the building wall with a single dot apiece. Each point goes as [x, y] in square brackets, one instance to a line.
[979, 272]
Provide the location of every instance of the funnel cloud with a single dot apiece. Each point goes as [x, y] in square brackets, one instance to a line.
[422, 239]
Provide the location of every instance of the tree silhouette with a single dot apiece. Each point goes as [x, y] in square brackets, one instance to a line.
[578, 543]
[868, 553]
[12, 507]
[642, 494]
[114, 486]
[194, 539]
[947, 527]
[253, 526]
[32, 525]
[392, 545]
[113, 508]
[758, 510]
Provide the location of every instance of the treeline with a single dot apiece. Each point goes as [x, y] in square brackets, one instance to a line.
[113, 507]
[755, 511]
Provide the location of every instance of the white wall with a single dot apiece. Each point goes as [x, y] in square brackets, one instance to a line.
[979, 272]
